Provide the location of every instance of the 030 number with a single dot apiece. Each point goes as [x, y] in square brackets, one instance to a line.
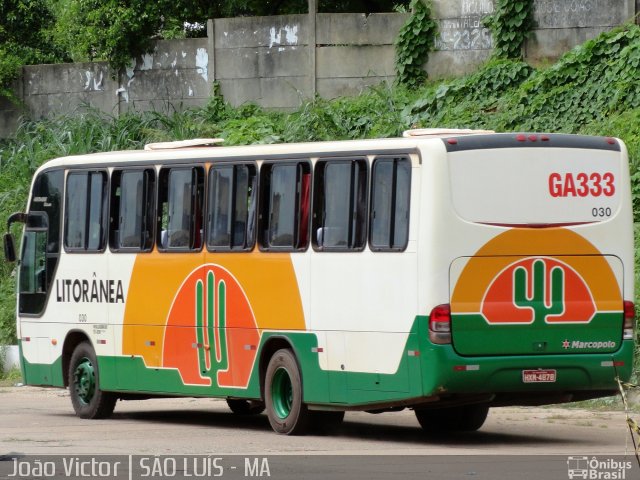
[601, 212]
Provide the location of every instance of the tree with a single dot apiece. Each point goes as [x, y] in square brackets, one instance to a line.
[113, 30]
[25, 38]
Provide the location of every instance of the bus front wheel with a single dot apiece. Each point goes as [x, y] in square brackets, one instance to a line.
[466, 418]
[283, 394]
[88, 400]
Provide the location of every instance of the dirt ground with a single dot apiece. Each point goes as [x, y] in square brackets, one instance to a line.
[41, 421]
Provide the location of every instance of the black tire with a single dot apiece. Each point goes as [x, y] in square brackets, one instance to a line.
[88, 400]
[283, 395]
[467, 418]
[245, 407]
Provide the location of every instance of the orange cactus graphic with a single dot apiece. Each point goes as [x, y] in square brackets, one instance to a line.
[214, 337]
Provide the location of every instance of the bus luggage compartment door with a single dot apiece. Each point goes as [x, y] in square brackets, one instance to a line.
[510, 305]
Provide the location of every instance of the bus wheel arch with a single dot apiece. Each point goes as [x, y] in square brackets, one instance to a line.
[72, 340]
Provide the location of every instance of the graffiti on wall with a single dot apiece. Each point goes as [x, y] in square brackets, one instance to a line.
[466, 32]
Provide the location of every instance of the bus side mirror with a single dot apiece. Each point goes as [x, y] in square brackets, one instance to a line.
[9, 248]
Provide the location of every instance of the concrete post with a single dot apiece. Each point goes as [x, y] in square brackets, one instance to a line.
[211, 52]
[313, 9]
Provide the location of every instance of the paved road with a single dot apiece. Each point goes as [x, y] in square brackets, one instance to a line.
[41, 421]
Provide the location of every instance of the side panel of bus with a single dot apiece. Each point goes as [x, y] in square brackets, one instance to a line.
[198, 323]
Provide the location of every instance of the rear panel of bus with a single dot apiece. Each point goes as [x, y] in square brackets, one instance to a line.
[537, 242]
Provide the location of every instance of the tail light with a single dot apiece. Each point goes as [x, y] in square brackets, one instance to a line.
[440, 325]
[629, 320]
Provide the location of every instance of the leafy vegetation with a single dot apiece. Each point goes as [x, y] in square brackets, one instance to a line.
[110, 30]
[25, 38]
[510, 24]
[594, 89]
[415, 40]
[7, 376]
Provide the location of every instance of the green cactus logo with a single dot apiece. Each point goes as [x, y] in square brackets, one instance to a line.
[538, 290]
[213, 357]
[533, 293]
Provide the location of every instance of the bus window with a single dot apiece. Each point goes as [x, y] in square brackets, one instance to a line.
[389, 222]
[285, 206]
[47, 197]
[180, 200]
[231, 207]
[85, 211]
[340, 205]
[132, 210]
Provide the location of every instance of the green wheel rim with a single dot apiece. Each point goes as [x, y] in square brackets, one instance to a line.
[281, 393]
[84, 381]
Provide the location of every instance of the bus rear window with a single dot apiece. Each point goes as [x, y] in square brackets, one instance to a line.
[535, 186]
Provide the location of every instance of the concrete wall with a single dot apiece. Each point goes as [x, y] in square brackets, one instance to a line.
[49, 90]
[10, 112]
[464, 42]
[278, 62]
[263, 60]
[355, 51]
[563, 24]
[175, 76]
[268, 60]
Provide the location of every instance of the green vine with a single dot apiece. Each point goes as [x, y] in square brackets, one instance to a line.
[416, 39]
[510, 25]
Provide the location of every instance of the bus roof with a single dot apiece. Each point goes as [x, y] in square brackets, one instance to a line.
[188, 151]
[451, 139]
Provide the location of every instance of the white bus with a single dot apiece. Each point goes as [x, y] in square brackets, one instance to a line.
[446, 272]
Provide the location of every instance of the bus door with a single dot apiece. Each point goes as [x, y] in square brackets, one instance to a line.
[32, 294]
[38, 262]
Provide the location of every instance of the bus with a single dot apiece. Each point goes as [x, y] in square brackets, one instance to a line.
[445, 271]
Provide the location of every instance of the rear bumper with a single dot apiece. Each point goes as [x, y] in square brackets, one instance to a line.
[503, 374]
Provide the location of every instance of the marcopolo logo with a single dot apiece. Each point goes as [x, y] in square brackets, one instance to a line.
[597, 469]
[578, 345]
[535, 290]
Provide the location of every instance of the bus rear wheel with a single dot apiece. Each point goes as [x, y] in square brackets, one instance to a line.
[466, 418]
[88, 400]
[283, 394]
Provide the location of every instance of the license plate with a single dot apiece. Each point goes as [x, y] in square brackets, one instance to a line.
[538, 376]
